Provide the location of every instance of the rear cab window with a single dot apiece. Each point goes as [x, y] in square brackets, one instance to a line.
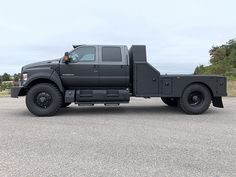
[111, 54]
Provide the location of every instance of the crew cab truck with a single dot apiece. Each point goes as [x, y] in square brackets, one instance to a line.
[102, 74]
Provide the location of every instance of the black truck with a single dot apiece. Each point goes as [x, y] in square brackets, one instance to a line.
[102, 74]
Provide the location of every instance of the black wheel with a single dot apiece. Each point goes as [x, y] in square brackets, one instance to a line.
[195, 99]
[173, 102]
[64, 105]
[44, 100]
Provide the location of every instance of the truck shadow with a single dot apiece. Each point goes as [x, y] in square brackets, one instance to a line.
[133, 111]
[118, 110]
[122, 110]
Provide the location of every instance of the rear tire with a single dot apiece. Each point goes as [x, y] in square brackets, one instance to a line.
[195, 99]
[173, 102]
[44, 100]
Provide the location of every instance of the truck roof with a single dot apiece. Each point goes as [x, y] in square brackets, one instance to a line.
[75, 46]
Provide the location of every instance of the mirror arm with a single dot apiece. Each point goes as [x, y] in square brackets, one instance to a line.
[66, 58]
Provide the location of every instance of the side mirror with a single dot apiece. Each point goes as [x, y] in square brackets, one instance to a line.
[66, 58]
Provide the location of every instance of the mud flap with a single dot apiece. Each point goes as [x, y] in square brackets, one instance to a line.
[17, 91]
[217, 102]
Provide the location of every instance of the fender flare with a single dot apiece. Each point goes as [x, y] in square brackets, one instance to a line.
[51, 76]
[57, 80]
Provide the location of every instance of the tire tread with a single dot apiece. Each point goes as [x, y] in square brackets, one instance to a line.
[181, 101]
[56, 91]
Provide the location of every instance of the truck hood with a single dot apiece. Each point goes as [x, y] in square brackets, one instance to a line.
[47, 63]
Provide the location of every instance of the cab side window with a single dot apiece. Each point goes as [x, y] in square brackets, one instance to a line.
[83, 54]
[111, 54]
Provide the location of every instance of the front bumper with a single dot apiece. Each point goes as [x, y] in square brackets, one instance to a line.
[17, 91]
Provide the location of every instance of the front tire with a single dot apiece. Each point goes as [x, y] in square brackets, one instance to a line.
[44, 100]
[65, 105]
[195, 99]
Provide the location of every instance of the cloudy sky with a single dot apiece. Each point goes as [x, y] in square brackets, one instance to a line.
[178, 34]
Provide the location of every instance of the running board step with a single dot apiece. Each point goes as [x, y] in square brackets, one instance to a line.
[85, 104]
[111, 104]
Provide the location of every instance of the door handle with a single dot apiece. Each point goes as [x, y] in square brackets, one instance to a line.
[95, 68]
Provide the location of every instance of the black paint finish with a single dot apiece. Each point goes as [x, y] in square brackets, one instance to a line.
[114, 80]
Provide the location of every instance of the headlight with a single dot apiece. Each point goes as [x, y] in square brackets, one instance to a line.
[25, 77]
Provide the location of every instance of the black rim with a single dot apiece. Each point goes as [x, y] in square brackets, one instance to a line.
[43, 100]
[195, 98]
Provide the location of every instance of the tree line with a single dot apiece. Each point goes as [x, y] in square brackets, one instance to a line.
[7, 81]
[222, 61]
[8, 77]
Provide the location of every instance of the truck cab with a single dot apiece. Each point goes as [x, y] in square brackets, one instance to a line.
[96, 66]
[111, 74]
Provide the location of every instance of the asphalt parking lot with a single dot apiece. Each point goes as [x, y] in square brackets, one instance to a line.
[144, 138]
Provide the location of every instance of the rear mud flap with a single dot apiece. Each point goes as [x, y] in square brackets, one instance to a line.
[217, 102]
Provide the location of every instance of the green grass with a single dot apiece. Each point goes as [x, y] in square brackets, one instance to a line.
[231, 87]
[5, 93]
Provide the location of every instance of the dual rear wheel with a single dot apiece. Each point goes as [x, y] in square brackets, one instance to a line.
[195, 99]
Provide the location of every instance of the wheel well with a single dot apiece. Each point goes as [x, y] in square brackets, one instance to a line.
[40, 81]
[201, 83]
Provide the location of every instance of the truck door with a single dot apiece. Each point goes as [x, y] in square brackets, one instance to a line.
[82, 70]
[113, 66]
